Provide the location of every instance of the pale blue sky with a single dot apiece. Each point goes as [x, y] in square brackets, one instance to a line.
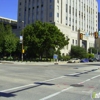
[8, 8]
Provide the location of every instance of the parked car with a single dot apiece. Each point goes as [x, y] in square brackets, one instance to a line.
[93, 59]
[84, 60]
[74, 60]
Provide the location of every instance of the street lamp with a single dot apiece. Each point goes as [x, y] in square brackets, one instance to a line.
[22, 40]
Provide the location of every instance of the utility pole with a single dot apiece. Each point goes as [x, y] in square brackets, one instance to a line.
[22, 40]
[79, 37]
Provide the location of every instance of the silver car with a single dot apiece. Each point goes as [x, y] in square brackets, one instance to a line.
[74, 60]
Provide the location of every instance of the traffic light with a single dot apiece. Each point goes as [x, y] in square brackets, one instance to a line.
[23, 51]
[96, 35]
[81, 36]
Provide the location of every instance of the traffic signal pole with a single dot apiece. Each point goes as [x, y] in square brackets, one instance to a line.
[96, 37]
[22, 40]
[79, 37]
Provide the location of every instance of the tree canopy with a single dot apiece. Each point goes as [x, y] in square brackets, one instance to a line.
[43, 39]
[93, 50]
[78, 52]
[8, 40]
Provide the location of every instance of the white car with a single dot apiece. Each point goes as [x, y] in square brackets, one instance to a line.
[74, 60]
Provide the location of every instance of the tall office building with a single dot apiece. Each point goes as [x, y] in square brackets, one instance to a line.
[68, 15]
[99, 21]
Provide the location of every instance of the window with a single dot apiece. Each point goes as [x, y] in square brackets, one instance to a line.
[73, 41]
[20, 3]
[57, 1]
[50, 1]
[69, 9]
[66, 8]
[76, 42]
[57, 7]
[57, 14]
[50, 6]
[50, 14]
[19, 14]
[73, 28]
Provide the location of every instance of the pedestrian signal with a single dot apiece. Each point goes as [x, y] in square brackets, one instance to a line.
[81, 36]
[96, 35]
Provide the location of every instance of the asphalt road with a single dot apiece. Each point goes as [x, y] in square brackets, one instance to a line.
[49, 82]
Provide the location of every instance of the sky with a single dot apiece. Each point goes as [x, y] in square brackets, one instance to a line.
[8, 8]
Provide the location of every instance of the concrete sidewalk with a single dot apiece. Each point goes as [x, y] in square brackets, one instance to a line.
[34, 63]
[44, 63]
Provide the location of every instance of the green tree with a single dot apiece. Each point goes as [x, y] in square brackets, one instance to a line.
[90, 55]
[43, 39]
[92, 50]
[2, 35]
[78, 52]
[8, 40]
[10, 43]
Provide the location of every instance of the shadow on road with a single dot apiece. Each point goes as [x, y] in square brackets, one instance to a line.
[7, 95]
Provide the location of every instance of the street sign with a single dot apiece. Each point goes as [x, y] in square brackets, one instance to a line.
[21, 39]
[55, 56]
[87, 34]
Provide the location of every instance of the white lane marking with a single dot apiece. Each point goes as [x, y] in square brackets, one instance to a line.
[11, 89]
[89, 79]
[18, 87]
[74, 74]
[52, 95]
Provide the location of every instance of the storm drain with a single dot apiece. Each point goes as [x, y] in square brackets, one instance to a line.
[43, 83]
[77, 85]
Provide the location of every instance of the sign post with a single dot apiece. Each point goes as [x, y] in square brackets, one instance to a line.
[55, 57]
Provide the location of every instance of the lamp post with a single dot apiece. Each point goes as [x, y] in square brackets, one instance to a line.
[79, 37]
[22, 40]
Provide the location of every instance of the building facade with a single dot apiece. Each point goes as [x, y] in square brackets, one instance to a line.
[98, 40]
[68, 15]
[6, 21]
[11, 22]
[98, 21]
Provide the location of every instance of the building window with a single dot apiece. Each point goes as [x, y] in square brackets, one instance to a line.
[73, 41]
[73, 28]
[76, 42]
[66, 8]
[57, 14]
[42, 8]
[69, 9]
[20, 3]
[57, 1]
[50, 6]
[50, 1]
[50, 14]
[57, 7]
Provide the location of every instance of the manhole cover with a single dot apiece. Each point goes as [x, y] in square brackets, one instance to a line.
[77, 85]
